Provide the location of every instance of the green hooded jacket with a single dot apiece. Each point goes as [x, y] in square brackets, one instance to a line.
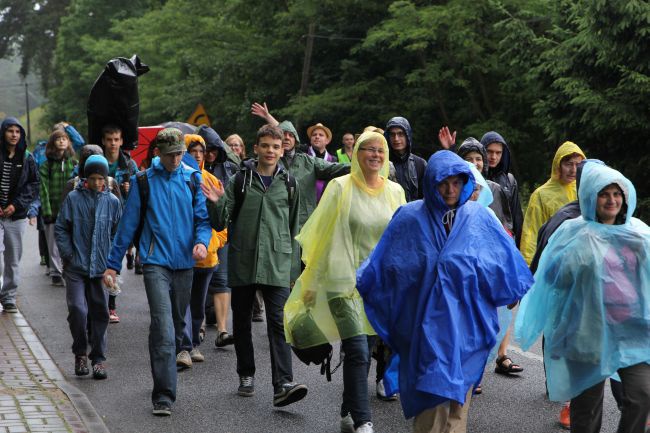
[261, 238]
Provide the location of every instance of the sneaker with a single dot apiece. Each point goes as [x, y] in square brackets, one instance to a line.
[381, 392]
[161, 409]
[129, 261]
[224, 339]
[347, 424]
[258, 317]
[202, 334]
[565, 416]
[183, 359]
[9, 308]
[246, 386]
[196, 355]
[365, 428]
[138, 269]
[57, 280]
[81, 365]
[113, 317]
[43, 262]
[99, 371]
[289, 393]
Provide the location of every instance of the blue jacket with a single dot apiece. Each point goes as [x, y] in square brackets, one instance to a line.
[432, 296]
[174, 222]
[84, 229]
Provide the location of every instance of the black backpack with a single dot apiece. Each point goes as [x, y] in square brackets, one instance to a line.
[240, 191]
[304, 329]
[143, 189]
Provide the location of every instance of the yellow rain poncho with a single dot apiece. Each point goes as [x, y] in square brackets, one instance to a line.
[546, 200]
[336, 239]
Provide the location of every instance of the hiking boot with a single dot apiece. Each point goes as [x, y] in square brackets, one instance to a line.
[196, 355]
[81, 365]
[162, 409]
[565, 416]
[129, 261]
[57, 280]
[365, 428]
[9, 308]
[289, 393]
[347, 424]
[246, 386]
[224, 339]
[99, 371]
[381, 392]
[113, 317]
[138, 269]
[183, 359]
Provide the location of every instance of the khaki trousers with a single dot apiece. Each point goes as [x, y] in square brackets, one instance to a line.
[448, 417]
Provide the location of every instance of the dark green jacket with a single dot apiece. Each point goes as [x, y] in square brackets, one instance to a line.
[261, 238]
[307, 170]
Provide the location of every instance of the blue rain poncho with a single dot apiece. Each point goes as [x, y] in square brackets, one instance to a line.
[337, 237]
[433, 297]
[591, 298]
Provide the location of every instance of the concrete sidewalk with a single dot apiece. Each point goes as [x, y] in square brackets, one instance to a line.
[34, 395]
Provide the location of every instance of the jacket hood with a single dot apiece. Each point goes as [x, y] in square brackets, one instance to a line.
[581, 167]
[287, 126]
[567, 148]
[485, 197]
[400, 122]
[441, 165]
[595, 177]
[12, 121]
[213, 141]
[504, 164]
[471, 144]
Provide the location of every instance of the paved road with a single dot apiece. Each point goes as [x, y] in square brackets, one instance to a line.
[207, 399]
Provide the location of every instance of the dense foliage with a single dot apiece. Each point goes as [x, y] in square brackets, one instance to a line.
[539, 71]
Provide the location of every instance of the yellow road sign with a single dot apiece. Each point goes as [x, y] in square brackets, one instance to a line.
[199, 116]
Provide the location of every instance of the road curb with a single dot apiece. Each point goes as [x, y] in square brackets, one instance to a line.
[91, 419]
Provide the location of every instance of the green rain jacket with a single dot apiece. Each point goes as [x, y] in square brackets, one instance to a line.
[261, 236]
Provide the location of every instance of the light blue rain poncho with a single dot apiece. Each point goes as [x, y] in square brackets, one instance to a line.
[591, 297]
[432, 296]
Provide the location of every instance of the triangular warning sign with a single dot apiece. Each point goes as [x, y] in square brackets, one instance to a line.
[199, 116]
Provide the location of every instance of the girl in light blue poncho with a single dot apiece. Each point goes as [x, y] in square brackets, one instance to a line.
[591, 299]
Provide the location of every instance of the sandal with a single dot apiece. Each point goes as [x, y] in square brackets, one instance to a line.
[478, 390]
[506, 366]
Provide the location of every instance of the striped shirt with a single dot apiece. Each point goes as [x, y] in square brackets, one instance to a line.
[5, 181]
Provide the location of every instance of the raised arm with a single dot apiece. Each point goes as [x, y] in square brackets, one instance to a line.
[262, 111]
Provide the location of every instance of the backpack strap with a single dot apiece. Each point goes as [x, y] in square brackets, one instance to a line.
[143, 190]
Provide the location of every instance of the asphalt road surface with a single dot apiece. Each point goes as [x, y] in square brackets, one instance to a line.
[207, 399]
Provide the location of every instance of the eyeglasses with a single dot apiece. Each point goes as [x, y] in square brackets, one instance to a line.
[373, 150]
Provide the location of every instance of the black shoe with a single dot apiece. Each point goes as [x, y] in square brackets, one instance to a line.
[162, 409]
[289, 393]
[129, 261]
[138, 269]
[99, 371]
[246, 386]
[224, 339]
[81, 365]
[57, 280]
[10, 308]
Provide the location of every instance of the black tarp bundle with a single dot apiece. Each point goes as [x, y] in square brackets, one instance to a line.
[114, 100]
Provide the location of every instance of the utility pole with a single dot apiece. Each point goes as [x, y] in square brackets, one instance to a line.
[29, 127]
[309, 47]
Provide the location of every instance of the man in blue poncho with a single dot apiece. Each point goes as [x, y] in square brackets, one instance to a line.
[431, 289]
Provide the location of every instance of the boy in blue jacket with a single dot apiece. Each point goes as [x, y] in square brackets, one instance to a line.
[83, 231]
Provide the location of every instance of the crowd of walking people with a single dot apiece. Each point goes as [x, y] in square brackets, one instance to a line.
[416, 263]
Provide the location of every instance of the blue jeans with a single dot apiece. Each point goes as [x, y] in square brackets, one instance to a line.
[219, 281]
[168, 294]
[356, 363]
[86, 299]
[196, 311]
[242, 315]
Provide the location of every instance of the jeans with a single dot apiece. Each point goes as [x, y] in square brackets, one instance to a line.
[356, 363]
[587, 408]
[219, 281]
[86, 299]
[56, 265]
[11, 250]
[196, 311]
[242, 309]
[168, 295]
